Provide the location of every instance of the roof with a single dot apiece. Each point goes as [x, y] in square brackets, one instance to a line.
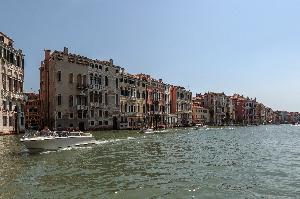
[6, 36]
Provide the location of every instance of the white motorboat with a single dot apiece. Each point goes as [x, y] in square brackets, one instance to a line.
[56, 140]
[147, 131]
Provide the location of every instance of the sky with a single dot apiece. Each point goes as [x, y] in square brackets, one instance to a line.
[251, 47]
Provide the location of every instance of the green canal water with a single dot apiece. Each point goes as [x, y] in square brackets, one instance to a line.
[239, 162]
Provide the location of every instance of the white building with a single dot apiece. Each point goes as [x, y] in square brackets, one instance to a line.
[12, 96]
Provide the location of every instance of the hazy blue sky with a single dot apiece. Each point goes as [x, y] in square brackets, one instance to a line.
[249, 47]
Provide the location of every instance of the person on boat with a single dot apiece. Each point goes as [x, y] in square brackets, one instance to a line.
[45, 131]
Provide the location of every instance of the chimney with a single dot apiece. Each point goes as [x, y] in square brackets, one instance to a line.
[66, 50]
[111, 62]
[47, 54]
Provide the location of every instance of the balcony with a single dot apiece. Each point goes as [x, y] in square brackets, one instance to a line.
[82, 107]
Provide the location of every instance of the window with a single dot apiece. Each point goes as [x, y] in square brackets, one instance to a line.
[100, 98]
[117, 100]
[4, 120]
[59, 115]
[84, 80]
[71, 125]
[92, 113]
[10, 106]
[79, 114]
[71, 115]
[106, 81]
[105, 122]
[99, 80]
[106, 114]
[22, 121]
[79, 80]
[92, 123]
[71, 78]
[100, 122]
[59, 76]
[96, 96]
[106, 69]
[71, 101]
[59, 100]
[106, 99]
[91, 79]
[117, 83]
[11, 121]
[91, 96]
[100, 113]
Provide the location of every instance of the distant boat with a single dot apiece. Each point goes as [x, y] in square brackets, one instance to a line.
[147, 131]
[54, 140]
[296, 124]
[199, 126]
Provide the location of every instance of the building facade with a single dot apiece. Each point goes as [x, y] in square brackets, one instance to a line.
[12, 96]
[78, 92]
[181, 105]
[132, 101]
[32, 110]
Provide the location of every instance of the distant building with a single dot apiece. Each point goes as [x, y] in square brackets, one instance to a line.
[12, 97]
[79, 92]
[155, 112]
[181, 105]
[32, 110]
[132, 101]
[200, 114]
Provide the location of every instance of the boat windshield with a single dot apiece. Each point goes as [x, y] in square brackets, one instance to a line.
[34, 133]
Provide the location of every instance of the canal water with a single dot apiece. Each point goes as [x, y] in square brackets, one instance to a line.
[238, 162]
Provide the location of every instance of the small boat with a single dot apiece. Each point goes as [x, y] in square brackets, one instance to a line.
[199, 126]
[54, 140]
[147, 131]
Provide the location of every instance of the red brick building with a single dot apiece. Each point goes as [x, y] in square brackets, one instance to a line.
[32, 110]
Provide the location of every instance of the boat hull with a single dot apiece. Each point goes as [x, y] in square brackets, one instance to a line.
[57, 142]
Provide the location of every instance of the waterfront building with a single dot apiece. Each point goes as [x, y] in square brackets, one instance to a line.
[32, 110]
[250, 108]
[78, 92]
[132, 101]
[171, 117]
[260, 113]
[200, 115]
[155, 112]
[270, 116]
[281, 117]
[218, 106]
[181, 105]
[12, 96]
